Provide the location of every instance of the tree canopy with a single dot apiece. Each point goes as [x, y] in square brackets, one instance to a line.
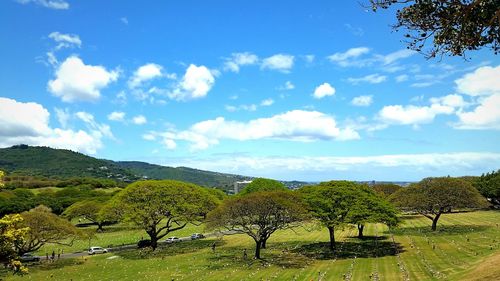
[386, 189]
[163, 206]
[453, 26]
[11, 233]
[94, 210]
[45, 227]
[258, 214]
[433, 197]
[489, 186]
[262, 184]
[330, 203]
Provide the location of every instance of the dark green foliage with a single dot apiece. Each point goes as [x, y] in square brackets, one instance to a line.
[489, 186]
[454, 26]
[433, 197]
[199, 177]
[262, 184]
[61, 163]
[386, 189]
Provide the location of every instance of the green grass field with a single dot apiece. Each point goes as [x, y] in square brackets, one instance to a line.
[465, 247]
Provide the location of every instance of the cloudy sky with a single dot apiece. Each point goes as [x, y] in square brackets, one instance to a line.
[307, 90]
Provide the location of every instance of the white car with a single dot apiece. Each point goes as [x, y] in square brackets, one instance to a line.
[172, 240]
[97, 250]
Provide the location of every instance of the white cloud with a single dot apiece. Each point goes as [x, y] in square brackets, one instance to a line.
[402, 166]
[76, 81]
[65, 40]
[246, 107]
[196, 83]
[323, 90]
[295, 125]
[63, 116]
[240, 59]
[395, 56]
[267, 102]
[414, 115]
[485, 116]
[139, 120]
[349, 57]
[28, 123]
[402, 78]
[51, 4]
[309, 58]
[362, 101]
[145, 73]
[372, 79]
[116, 116]
[124, 20]
[452, 100]
[483, 81]
[280, 62]
[287, 86]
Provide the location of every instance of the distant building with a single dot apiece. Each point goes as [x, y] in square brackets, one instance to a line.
[239, 185]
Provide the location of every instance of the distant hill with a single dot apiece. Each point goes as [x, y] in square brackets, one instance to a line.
[200, 177]
[59, 163]
[62, 163]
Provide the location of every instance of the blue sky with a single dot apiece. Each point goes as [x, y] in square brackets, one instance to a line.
[282, 89]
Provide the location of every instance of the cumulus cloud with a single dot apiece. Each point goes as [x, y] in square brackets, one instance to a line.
[239, 59]
[280, 62]
[323, 90]
[362, 101]
[295, 125]
[287, 86]
[372, 79]
[51, 4]
[483, 81]
[485, 116]
[28, 123]
[416, 115]
[116, 116]
[195, 84]
[65, 40]
[63, 116]
[145, 73]
[76, 81]
[139, 120]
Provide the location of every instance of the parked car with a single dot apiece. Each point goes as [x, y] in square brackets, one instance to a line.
[97, 250]
[172, 240]
[197, 236]
[144, 243]
[29, 258]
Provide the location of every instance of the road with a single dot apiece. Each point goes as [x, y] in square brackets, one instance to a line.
[134, 246]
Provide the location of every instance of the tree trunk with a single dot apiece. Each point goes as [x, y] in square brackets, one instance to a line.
[331, 230]
[99, 227]
[257, 249]
[263, 244]
[435, 221]
[361, 227]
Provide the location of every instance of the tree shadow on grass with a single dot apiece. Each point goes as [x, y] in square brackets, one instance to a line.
[232, 257]
[367, 248]
[168, 250]
[442, 230]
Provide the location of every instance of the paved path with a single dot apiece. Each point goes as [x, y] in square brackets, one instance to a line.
[134, 246]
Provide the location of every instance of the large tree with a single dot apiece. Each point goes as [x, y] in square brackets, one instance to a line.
[262, 184]
[161, 207]
[371, 208]
[453, 26]
[45, 227]
[331, 203]
[386, 189]
[258, 214]
[93, 210]
[489, 186]
[433, 197]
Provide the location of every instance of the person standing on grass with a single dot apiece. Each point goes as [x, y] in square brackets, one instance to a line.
[213, 247]
[245, 254]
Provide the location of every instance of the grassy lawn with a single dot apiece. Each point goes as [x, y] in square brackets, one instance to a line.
[465, 247]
